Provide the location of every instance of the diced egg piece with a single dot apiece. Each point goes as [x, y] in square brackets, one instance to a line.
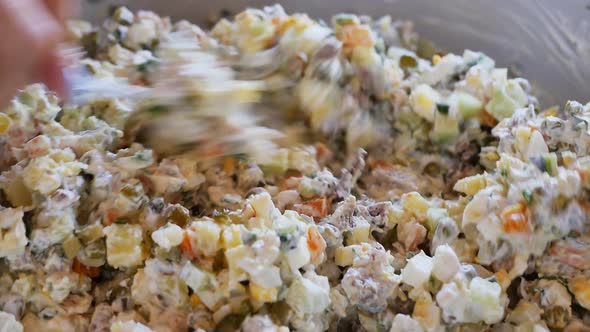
[445, 263]
[8, 323]
[168, 236]
[129, 326]
[417, 270]
[309, 295]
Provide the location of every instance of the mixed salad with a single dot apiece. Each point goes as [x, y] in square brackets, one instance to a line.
[435, 194]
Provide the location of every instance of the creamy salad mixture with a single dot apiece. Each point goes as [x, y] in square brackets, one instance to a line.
[435, 196]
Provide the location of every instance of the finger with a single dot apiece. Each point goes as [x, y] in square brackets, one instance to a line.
[30, 34]
[63, 9]
[51, 73]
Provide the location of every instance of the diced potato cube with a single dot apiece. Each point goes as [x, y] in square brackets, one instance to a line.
[203, 283]
[41, 175]
[303, 161]
[5, 123]
[344, 256]
[468, 105]
[90, 233]
[568, 158]
[231, 236]
[204, 236]
[263, 206]
[124, 245]
[580, 287]
[197, 279]
[426, 312]
[414, 203]
[364, 56]
[423, 100]
[507, 98]
[261, 294]
[471, 185]
[396, 215]
[71, 246]
[433, 216]
[317, 99]
[360, 233]
[275, 163]
[17, 193]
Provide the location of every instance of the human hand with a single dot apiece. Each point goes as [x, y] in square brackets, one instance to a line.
[31, 31]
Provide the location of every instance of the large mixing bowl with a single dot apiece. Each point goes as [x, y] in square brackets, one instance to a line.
[547, 41]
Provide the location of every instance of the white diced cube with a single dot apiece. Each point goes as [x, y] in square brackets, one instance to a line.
[309, 295]
[405, 323]
[168, 236]
[417, 271]
[299, 256]
[263, 206]
[8, 323]
[13, 239]
[445, 263]
[129, 326]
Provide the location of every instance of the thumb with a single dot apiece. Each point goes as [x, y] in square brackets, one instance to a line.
[52, 74]
[63, 9]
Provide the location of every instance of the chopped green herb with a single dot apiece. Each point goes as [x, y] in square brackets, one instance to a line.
[550, 164]
[145, 67]
[158, 109]
[407, 62]
[140, 156]
[442, 108]
[120, 221]
[528, 196]
[344, 19]
[248, 238]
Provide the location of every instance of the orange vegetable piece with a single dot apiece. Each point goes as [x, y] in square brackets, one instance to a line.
[514, 219]
[487, 119]
[111, 215]
[321, 151]
[316, 208]
[316, 244]
[355, 35]
[584, 205]
[186, 246]
[291, 182]
[381, 164]
[229, 165]
[89, 271]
